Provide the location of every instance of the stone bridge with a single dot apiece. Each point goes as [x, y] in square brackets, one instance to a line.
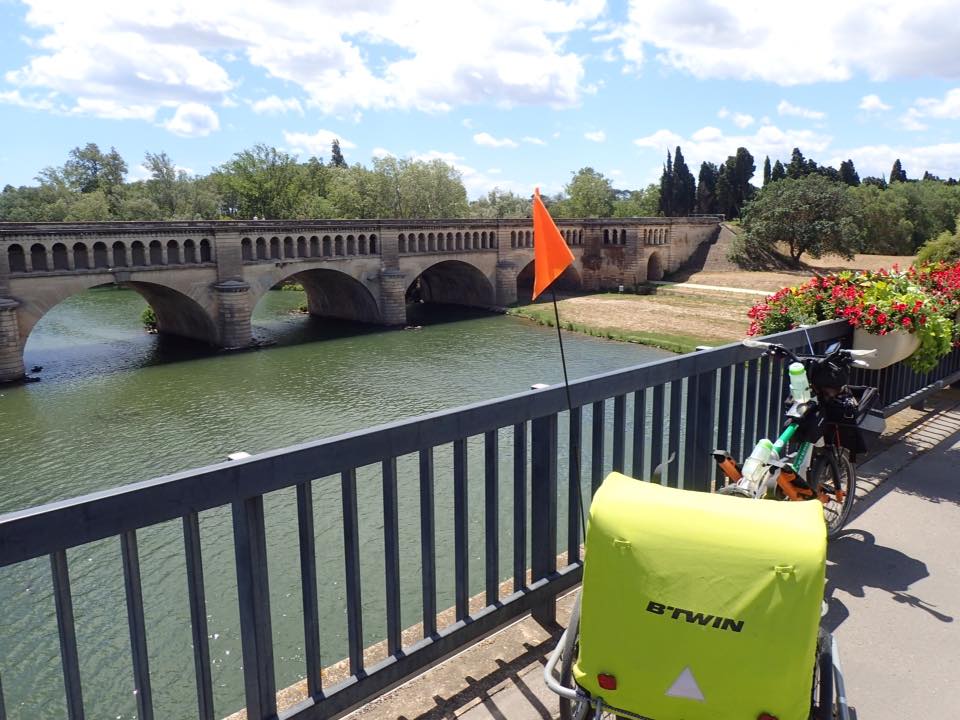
[203, 279]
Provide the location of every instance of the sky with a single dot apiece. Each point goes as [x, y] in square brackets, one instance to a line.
[514, 94]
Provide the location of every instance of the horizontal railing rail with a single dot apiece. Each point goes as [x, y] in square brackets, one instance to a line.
[680, 408]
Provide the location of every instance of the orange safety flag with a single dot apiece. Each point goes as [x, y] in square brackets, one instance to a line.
[551, 256]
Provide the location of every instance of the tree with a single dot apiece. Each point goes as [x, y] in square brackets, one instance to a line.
[637, 203]
[707, 189]
[778, 172]
[812, 215]
[683, 186]
[766, 170]
[666, 188]
[590, 194]
[261, 181]
[336, 157]
[501, 204]
[883, 217]
[848, 173]
[733, 183]
[798, 165]
[897, 173]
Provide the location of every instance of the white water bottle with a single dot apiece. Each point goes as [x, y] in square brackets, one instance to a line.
[799, 385]
[755, 466]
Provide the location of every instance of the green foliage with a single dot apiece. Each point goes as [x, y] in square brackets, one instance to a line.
[848, 173]
[945, 247]
[766, 170]
[589, 194]
[707, 189]
[637, 203]
[149, 319]
[812, 215]
[897, 173]
[778, 172]
[336, 156]
[499, 204]
[684, 187]
[883, 217]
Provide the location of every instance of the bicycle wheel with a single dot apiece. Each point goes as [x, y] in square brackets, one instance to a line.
[571, 709]
[833, 477]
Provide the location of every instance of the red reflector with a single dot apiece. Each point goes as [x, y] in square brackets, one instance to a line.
[607, 682]
[765, 716]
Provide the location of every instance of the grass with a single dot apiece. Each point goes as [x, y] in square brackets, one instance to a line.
[665, 341]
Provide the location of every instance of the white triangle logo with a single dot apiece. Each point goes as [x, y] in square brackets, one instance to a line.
[685, 686]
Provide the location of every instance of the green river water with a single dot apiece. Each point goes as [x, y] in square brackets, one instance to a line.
[116, 405]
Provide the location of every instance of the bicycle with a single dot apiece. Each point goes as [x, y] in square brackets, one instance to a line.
[829, 427]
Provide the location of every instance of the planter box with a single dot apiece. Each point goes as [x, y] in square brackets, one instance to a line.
[891, 348]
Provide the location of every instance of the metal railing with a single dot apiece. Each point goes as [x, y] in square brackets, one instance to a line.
[684, 407]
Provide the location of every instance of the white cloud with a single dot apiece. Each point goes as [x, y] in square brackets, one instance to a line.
[747, 40]
[942, 159]
[379, 152]
[193, 120]
[711, 144]
[467, 123]
[722, 113]
[873, 103]
[533, 140]
[488, 140]
[274, 105]
[177, 52]
[786, 108]
[597, 136]
[910, 120]
[742, 120]
[316, 144]
[13, 97]
[475, 181]
[945, 108]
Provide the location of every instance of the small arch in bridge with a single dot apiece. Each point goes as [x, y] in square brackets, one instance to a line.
[421, 242]
[119, 254]
[493, 239]
[431, 242]
[190, 251]
[606, 236]
[38, 258]
[373, 244]
[362, 244]
[529, 238]
[274, 248]
[513, 238]
[458, 240]
[453, 282]
[301, 246]
[173, 253]
[334, 294]
[246, 249]
[261, 248]
[205, 252]
[401, 243]
[326, 246]
[81, 261]
[60, 257]
[654, 267]
[288, 249]
[16, 258]
[476, 241]
[351, 245]
[100, 255]
[338, 245]
[314, 246]
[483, 240]
[156, 253]
[138, 255]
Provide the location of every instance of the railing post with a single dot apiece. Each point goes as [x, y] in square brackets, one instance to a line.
[543, 499]
[253, 591]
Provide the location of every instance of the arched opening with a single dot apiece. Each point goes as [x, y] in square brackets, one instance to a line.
[156, 252]
[569, 281]
[261, 249]
[452, 282]
[288, 251]
[119, 254]
[138, 254]
[654, 267]
[373, 244]
[459, 242]
[401, 243]
[476, 241]
[351, 245]
[327, 252]
[274, 248]
[301, 247]
[38, 258]
[246, 249]
[338, 245]
[421, 243]
[16, 259]
[190, 251]
[100, 259]
[333, 294]
[81, 260]
[431, 242]
[513, 238]
[60, 261]
[173, 253]
[362, 244]
[205, 255]
[314, 246]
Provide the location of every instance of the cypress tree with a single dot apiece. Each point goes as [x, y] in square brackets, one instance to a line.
[707, 189]
[778, 172]
[798, 165]
[683, 186]
[897, 173]
[766, 171]
[848, 173]
[666, 188]
[336, 157]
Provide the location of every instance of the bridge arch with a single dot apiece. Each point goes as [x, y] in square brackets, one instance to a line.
[177, 312]
[453, 282]
[654, 267]
[331, 293]
[569, 280]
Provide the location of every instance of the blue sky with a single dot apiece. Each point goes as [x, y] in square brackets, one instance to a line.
[514, 94]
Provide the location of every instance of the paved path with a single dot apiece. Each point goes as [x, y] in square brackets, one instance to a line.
[721, 288]
[893, 596]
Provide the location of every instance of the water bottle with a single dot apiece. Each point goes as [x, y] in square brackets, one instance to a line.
[755, 466]
[799, 385]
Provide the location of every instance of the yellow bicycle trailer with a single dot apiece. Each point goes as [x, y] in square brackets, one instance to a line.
[698, 606]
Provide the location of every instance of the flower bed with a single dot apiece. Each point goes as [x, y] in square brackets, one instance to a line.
[922, 301]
